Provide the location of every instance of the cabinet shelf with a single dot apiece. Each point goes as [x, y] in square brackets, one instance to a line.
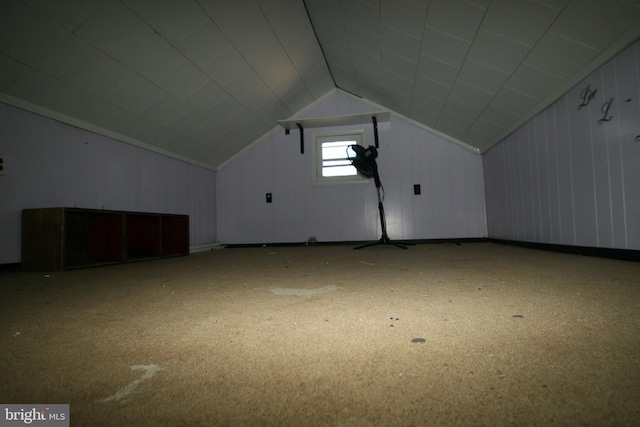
[56, 239]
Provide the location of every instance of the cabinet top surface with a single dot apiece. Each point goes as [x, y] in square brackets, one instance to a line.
[98, 211]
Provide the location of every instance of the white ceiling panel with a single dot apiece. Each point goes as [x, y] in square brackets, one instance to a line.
[185, 123]
[225, 67]
[533, 82]
[444, 47]
[437, 70]
[478, 139]
[205, 42]
[135, 95]
[426, 102]
[398, 65]
[362, 15]
[247, 29]
[43, 48]
[319, 82]
[556, 4]
[368, 80]
[472, 95]
[482, 76]
[400, 44]
[132, 125]
[500, 116]
[18, 22]
[425, 116]
[456, 17]
[174, 20]
[512, 100]
[482, 127]
[98, 74]
[87, 108]
[461, 109]
[367, 63]
[397, 83]
[72, 15]
[165, 110]
[203, 79]
[362, 41]
[207, 133]
[154, 59]
[205, 97]
[258, 98]
[183, 80]
[431, 88]
[595, 23]
[225, 108]
[296, 98]
[524, 21]
[559, 56]
[498, 51]
[452, 124]
[271, 111]
[10, 71]
[265, 52]
[404, 16]
[243, 84]
[116, 30]
[146, 131]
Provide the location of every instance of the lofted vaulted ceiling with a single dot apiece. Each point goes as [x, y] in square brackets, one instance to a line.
[203, 79]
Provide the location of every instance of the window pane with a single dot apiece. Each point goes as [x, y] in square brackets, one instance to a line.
[327, 163]
[336, 150]
[339, 171]
[332, 157]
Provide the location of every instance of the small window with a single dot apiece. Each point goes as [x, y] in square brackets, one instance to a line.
[331, 157]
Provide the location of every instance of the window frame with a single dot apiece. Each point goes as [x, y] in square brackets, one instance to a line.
[358, 135]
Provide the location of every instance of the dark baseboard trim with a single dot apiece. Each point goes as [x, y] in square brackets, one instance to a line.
[8, 268]
[620, 254]
[359, 242]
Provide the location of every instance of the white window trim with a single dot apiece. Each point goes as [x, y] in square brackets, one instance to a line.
[316, 169]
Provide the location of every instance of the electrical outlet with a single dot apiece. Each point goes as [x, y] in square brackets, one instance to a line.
[416, 189]
[269, 199]
[3, 166]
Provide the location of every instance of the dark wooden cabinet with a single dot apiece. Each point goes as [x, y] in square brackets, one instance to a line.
[55, 239]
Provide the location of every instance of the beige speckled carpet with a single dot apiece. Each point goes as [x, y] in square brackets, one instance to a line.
[478, 334]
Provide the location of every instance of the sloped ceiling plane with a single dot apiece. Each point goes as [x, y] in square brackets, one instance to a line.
[202, 79]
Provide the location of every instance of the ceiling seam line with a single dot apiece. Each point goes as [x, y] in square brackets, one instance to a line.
[285, 51]
[509, 129]
[460, 69]
[415, 76]
[209, 78]
[315, 34]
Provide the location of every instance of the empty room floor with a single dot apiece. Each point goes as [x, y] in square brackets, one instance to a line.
[438, 334]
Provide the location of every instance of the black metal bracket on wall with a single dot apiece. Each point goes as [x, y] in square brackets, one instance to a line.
[286, 132]
[301, 138]
[375, 130]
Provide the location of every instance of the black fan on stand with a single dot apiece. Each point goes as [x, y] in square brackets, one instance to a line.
[365, 162]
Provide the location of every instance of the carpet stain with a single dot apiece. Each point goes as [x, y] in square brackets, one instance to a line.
[303, 292]
[149, 371]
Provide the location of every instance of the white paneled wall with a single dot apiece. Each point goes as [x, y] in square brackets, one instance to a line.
[451, 204]
[569, 177]
[50, 164]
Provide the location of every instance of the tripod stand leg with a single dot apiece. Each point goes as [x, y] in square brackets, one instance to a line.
[384, 240]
